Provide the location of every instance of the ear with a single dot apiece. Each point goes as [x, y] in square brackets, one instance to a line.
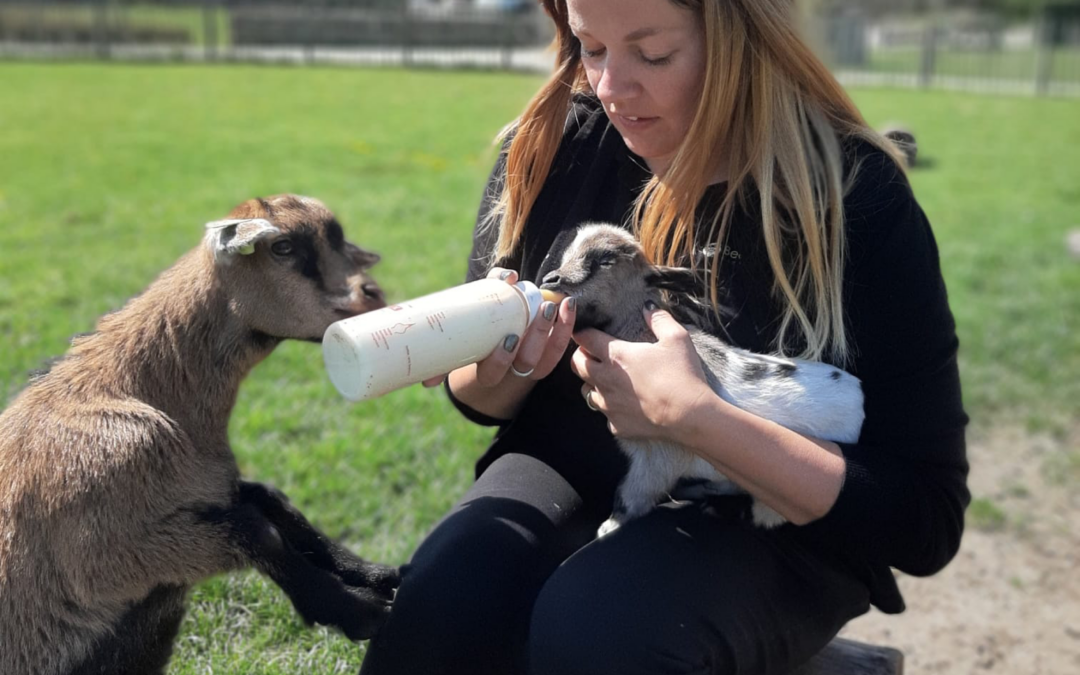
[678, 279]
[228, 238]
[362, 257]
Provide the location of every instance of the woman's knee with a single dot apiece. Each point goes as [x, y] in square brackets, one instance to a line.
[594, 621]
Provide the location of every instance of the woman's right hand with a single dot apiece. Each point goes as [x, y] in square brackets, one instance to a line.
[492, 386]
[536, 353]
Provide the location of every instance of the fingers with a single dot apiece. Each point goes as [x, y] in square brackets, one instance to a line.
[596, 343]
[509, 276]
[662, 324]
[536, 341]
[434, 381]
[596, 402]
[492, 370]
[559, 339]
[581, 363]
[593, 398]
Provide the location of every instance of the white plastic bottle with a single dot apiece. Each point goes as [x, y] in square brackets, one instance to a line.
[377, 352]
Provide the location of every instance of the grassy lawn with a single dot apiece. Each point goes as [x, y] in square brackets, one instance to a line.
[107, 174]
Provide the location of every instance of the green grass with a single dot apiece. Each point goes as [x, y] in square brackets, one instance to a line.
[108, 173]
[985, 515]
[1002, 189]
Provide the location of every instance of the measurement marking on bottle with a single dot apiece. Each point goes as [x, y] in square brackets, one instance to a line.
[381, 337]
[435, 321]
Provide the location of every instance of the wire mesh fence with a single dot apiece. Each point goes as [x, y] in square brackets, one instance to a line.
[975, 51]
[980, 52]
[502, 34]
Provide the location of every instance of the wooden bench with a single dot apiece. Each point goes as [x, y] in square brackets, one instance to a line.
[847, 657]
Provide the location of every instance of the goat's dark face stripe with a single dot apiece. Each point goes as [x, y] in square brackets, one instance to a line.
[306, 254]
[335, 236]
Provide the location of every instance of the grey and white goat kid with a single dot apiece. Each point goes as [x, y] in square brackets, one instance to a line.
[118, 488]
[605, 268]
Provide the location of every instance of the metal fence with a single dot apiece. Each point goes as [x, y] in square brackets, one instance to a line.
[503, 34]
[974, 51]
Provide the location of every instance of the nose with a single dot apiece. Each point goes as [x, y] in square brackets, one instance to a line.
[616, 81]
[550, 280]
[372, 291]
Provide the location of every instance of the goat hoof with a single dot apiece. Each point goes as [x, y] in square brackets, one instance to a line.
[365, 613]
[358, 573]
[609, 526]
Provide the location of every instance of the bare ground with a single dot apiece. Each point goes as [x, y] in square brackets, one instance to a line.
[1010, 600]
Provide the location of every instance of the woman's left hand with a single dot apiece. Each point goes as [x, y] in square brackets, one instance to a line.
[644, 389]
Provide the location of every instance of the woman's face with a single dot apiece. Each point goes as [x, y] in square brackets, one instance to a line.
[645, 60]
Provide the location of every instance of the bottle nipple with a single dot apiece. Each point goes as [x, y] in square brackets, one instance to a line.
[551, 296]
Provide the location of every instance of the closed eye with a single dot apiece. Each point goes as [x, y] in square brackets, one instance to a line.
[658, 61]
[591, 53]
[282, 247]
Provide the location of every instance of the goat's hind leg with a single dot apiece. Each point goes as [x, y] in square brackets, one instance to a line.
[143, 639]
[322, 551]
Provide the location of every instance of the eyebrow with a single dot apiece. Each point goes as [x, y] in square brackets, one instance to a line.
[633, 36]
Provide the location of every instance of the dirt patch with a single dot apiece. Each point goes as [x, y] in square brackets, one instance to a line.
[1010, 600]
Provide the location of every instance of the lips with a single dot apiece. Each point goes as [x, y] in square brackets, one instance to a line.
[635, 121]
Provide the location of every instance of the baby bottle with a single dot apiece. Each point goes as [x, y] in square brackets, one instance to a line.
[377, 352]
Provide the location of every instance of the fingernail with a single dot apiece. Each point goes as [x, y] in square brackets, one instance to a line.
[571, 303]
[503, 276]
[549, 310]
[510, 342]
[650, 305]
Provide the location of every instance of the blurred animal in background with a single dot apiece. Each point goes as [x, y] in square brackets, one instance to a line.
[118, 487]
[904, 140]
[605, 268]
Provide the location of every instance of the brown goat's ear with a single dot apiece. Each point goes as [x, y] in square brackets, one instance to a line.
[228, 238]
[678, 279]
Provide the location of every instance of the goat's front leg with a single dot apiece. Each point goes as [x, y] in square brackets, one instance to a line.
[317, 594]
[319, 549]
[654, 469]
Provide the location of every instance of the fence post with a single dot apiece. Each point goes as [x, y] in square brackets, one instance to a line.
[210, 28]
[406, 36]
[929, 54]
[508, 39]
[1044, 54]
[101, 29]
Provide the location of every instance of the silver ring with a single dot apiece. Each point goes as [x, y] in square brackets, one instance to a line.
[517, 372]
[589, 401]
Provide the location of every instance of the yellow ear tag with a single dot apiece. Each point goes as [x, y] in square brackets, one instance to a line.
[246, 249]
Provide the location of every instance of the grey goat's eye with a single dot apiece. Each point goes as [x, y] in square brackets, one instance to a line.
[607, 261]
[282, 247]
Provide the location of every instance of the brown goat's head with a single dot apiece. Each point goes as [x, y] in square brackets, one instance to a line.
[605, 268]
[288, 269]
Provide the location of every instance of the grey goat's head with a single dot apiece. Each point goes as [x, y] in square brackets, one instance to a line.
[605, 269]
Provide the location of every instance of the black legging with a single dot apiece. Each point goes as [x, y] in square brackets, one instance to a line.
[511, 582]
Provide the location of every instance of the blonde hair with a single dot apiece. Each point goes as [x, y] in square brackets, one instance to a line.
[778, 114]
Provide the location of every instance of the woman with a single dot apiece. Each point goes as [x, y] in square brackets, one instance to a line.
[711, 130]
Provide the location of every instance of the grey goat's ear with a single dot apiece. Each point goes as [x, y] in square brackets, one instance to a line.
[678, 279]
[228, 238]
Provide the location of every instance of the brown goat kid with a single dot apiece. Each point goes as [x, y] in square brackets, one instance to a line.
[118, 489]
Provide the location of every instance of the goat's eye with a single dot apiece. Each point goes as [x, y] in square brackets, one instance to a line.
[607, 261]
[282, 247]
